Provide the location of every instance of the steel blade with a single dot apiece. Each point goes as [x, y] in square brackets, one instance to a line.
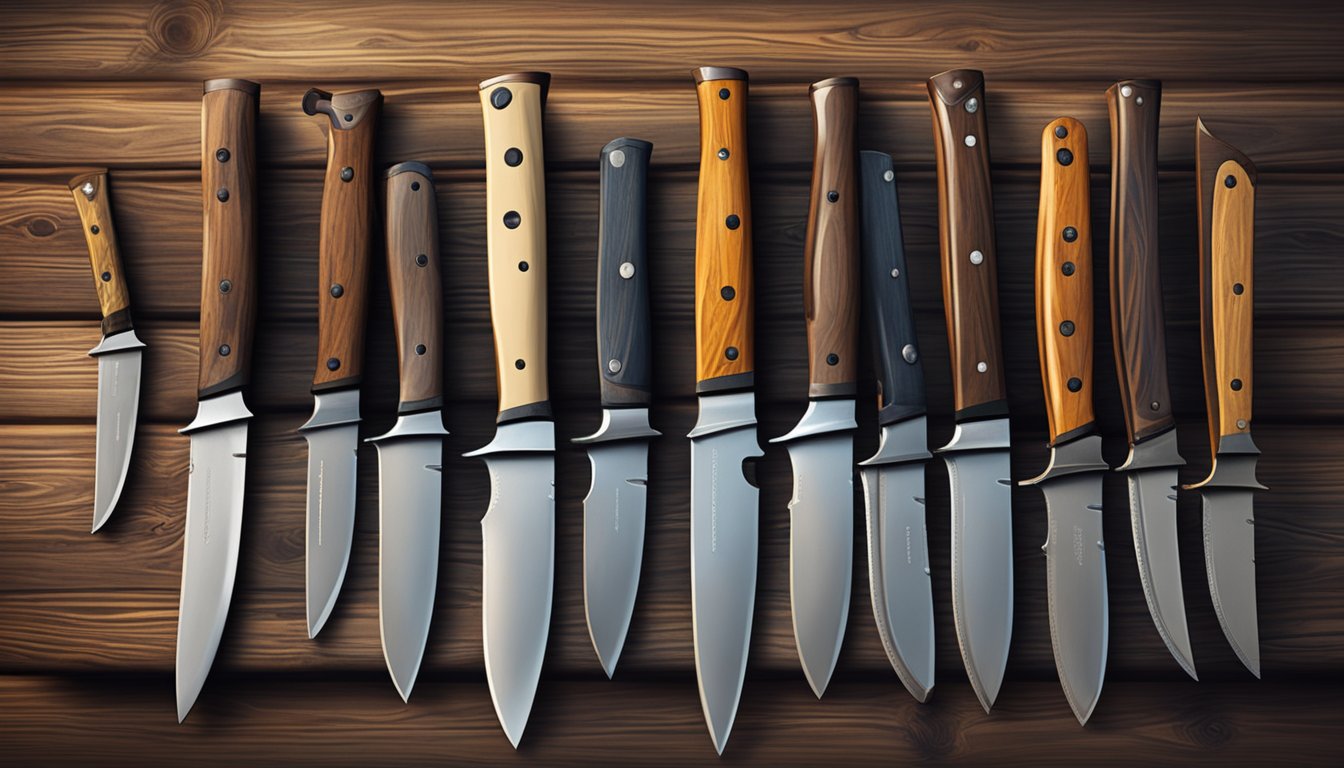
[333, 435]
[118, 405]
[1152, 510]
[1229, 557]
[613, 543]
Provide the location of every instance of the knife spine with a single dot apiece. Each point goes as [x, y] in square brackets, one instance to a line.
[624, 343]
[94, 202]
[415, 285]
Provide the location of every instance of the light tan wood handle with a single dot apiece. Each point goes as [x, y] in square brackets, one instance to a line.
[94, 202]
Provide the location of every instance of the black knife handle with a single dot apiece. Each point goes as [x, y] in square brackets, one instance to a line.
[624, 351]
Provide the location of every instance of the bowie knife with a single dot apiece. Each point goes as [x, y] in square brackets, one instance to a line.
[613, 511]
[723, 503]
[219, 431]
[349, 121]
[1226, 189]
[893, 479]
[1141, 358]
[1074, 552]
[518, 530]
[821, 446]
[119, 351]
[977, 457]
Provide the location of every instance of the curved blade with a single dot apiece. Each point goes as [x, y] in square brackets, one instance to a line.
[1152, 510]
[1229, 554]
[330, 519]
[118, 405]
[613, 543]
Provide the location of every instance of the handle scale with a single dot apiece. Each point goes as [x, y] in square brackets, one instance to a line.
[624, 337]
[413, 280]
[94, 201]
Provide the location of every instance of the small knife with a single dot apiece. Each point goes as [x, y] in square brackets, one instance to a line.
[977, 457]
[613, 511]
[821, 446]
[219, 431]
[1074, 552]
[410, 455]
[1141, 358]
[118, 353]
[724, 505]
[1226, 189]
[893, 479]
[518, 530]
[349, 121]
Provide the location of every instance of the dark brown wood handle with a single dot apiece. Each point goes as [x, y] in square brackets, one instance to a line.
[94, 202]
[229, 249]
[831, 280]
[413, 279]
[966, 232]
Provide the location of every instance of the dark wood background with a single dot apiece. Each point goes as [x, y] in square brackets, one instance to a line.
[87, 623]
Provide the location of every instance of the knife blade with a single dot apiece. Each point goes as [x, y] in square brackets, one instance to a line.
[977, 457]
[1225, 183]
[518, 530]
[724, 504]
[1141, 359]
[893, 479]
[1074, 549]
[821, 446]
[410, 455]
[119, 351]
[219, 431]
[613, 510]
[349, 121]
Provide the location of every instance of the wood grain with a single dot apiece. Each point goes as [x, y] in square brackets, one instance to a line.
[93, 200]
[415, 286]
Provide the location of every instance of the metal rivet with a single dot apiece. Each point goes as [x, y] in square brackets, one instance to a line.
[513, 157]
[1126, 91]
[627, 270]
[224, 350]
[1061, 132]
[500, 98]
[616, 158]
[981, 367]
[225, 286]
[1154, 406]
[1238, 289]
[614, 365]
[107, 277]
[728, 293]
[733, 222]
[723, 153]
[512, 219]
[1230, 181]
[977, 257]
[222, 155]
[333, 364]
[421, 260]
[957, 84]
[1241, 423]
[1139, 101]
[724, 93]
[347, 173]
[87, 189]
[1070, 234]
[1075, 384]
[970, 140]
[415, 186]
[972, 104]
[909, 354]
[1064, 156]
[1066, 328]
[348, 118]
[832, 359]
[730, 353]
[94, 229]
[895, 273]
[523, 266]
[832, 196]
[888, 176]
[337, 290]
[419, 349]
[222, 194]
[1236, 385]
[519, 364]
[1067, 268]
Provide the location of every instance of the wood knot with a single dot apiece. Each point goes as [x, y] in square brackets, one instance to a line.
[41, 226]
[935, 739]
[182, 29]
[1210, 729]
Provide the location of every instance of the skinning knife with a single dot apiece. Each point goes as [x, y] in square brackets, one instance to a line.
[977, 457]
[349, 121]
[1226, 188]
[1141, 358]
[410, 455]
[118, 353]
[821, 446]
[613, 511]
[518, 531]
[1075, 554]
[219, 431]
[723, 503]
[893, 479]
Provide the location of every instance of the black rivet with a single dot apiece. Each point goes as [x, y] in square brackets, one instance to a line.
[522, 266]
[500, 98]
[1070, 234]
[1230, 181]
[724, 93]
[832, 359]
[1236, 385]
[333, 364]
[730, 353]
[222, 194]
[832, 196]
[1061, 132]
[222, 155]
[94, 229]
[1067, 268]
[224, 350]
[347, 173]
[225, 286]
[1064, 156]
[337, 290]
[421, 260]
[415, 186]
[519, 364]
[728, 293]
[1238, 289]
[348, 118]
[723, 153]
[512, 219]
[1066, 327]
[419, 349]
[733, 221]
[107, 277]
[513, 157]
[1075, 384]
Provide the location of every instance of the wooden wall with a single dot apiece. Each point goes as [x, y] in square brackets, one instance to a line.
[87, 623]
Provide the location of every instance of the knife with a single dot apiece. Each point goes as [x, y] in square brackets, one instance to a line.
[219, 431]
[1226, 188]
[821, 446]
[119, 351]
[410, 455]
[349, 121]
[613, 511]
[1074, 551]
[977, 457]
[723, 503]
[1141, 358]
[518, 530]
[893, 479]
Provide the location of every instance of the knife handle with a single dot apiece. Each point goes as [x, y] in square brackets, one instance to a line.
[229, 248]
[94, 202]
[831, 279]
[1064, 280]
[350, 122]
[1136, 287]
[623, 329]
[966, 234]
[890, 315]
[413, 280]
[515, 204]
[724, 348]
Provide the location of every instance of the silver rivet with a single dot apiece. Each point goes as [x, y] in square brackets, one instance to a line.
[1241, 423]
[87, 189]
[981, 367]
[957, 84]
[1139, 101]
[627, 270]
[977, 257]
[972, 105]
[1126, 91]
[1154, 405]
[910, 354]
[617, 158]
[970, 141]
[888, 176]
[895, 273]
[614, 366]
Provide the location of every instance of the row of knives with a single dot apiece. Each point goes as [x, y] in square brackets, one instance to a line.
[854, 259]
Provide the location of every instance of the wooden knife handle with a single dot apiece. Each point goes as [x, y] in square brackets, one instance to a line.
[94, 201]
[413, 280]
[724, 348]
[831, 279]
[1064, 280]
[350, 122]
[966, 233]
[890, 315]
[229, 249]
[1136, 288]
[624, 337]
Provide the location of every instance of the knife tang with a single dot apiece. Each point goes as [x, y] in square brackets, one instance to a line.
[93, 200]
[966, 234]
[625, 354]
[413, 281]
[723, 296]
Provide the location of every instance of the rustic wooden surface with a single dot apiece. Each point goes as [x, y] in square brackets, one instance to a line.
[87, 622]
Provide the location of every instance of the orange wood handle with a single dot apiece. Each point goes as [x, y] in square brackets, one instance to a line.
[94, 202]
[415, 285]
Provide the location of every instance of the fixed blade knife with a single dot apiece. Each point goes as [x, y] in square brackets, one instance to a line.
[977, 457]
[119, 351]
[613, 511]
[219, 431]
